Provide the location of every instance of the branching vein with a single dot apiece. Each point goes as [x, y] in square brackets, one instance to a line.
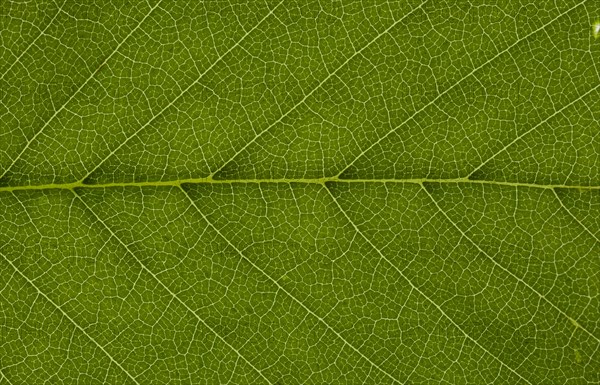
[62, 107]
[513, 275]
[32, 283]
[288, 293]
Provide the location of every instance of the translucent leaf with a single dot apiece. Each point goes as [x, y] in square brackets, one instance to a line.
[299, 192]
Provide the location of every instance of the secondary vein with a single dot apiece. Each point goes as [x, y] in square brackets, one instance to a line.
[68, 317]
[289, 294]
[497, 264]
[417, 289]
[155, 277]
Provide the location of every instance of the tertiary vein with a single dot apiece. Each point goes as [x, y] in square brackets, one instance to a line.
[532, 129]
[181, 94]
[3, 376]
[42, 33]
[584, 227]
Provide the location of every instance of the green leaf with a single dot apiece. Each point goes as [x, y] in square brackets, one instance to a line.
[299, 192]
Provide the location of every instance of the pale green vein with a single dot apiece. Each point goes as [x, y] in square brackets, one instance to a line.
[411, 117]
[42, 33]
[3, 376]
[56, 305]
[92, 75]
[519, 279]
[164, 286]
[584, 227]
[311, 92]
[416, 288]
[209, 180]
[68, 317]
[535, 127]
[289, 294]
[185, 90]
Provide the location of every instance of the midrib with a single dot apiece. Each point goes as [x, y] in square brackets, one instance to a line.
[209, 180]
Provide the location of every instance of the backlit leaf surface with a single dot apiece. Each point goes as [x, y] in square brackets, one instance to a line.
[299, 192]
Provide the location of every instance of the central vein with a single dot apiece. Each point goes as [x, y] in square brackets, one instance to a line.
[209, 180]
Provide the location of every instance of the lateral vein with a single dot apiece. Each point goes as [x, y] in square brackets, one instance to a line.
[501, 267]
[62, 107]
[290, 295]
[164, 286]
[414, 287]
[411, 117]
[68, 317]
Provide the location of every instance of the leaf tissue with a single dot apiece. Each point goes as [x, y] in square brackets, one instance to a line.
[299, 192]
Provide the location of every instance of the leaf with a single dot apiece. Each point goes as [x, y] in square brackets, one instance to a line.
[300, 193]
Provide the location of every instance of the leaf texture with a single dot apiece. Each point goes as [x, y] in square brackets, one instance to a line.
[299, 192]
